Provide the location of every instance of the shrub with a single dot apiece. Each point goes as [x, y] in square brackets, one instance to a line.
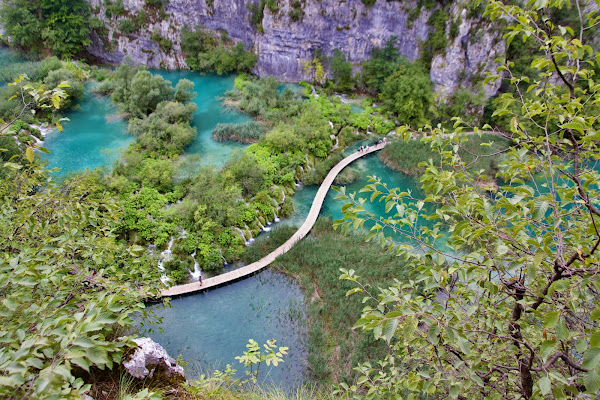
[126, 26]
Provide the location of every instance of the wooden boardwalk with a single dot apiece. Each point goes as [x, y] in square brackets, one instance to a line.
[250, 269]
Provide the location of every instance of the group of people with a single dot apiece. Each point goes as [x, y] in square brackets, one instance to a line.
[375, 143]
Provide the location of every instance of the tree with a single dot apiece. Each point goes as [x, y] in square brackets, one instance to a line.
[408, 93]
[314, 69]
[64, 295]
[341, 72]
[146, 92]
[382, 63]
[508, 308]
[63, 76]
[59, 25]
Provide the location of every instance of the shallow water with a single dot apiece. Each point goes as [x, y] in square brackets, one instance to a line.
[210, 88]
[92, 138]
[211, 328]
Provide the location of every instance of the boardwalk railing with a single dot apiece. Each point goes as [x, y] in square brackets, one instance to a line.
[250, 269]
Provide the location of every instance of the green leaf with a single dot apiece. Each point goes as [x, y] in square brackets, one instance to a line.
[573, 125]
[502, 249]
[551, 319]
[97, 355]
[595, 341]
[29, 154]
[390, 329]
[432, 334]
[545, 385]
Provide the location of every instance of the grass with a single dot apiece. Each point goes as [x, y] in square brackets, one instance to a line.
[245, 132]
[334, 348]
[406, 156]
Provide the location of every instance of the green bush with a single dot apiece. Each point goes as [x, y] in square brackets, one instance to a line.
[206, 52]
[407, 93]
[382, 63]
[437, 41]
[74, 91]
[127, 26]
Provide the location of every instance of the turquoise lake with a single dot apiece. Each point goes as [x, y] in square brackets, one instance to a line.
[209, 329]
[92, 138]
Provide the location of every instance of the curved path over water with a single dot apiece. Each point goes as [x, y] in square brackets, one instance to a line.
[284, 248]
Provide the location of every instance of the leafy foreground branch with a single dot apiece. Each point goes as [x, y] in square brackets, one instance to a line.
[509, 308]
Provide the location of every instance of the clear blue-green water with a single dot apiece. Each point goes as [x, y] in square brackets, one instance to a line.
[210, 112]
[92, 138]
[210, 329]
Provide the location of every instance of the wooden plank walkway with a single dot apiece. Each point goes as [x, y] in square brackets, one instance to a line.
[250, 269]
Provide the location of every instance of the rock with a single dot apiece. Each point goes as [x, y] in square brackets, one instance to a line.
[470, 54]
[151, 359]
[323, 25]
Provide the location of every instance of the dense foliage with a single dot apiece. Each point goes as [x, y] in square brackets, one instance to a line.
[509, 308]
[58, 25]
[207, 52]
[68, 287]
[407, 94]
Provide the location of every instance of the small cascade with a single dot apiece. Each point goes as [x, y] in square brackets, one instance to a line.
[308, 167]
[241, 232]
[283, 193]
[262, 227]
[249, 241]
[222, 257]
[337, 142]
[275, 217]
[165, 256]
[331, 124]
[197, 272]
[314, 92]
[44, 131]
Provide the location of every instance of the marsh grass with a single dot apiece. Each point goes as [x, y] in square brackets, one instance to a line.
[244, 132]
[406, 156]
[333, 347]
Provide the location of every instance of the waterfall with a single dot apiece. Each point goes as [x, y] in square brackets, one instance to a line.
[337, 142]
[196, 274]
[275, 217]
[249, 241]
[165, 256]
[221, 253]
[331, 124]
[243, 235]
[241, 232]
[283, 193]
[263, 228]
[308, 168]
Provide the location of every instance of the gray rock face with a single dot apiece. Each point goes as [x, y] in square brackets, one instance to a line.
[472, 53]
[323, 25]
[151, 358]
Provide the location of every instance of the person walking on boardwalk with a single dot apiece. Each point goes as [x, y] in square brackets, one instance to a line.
[200, 279]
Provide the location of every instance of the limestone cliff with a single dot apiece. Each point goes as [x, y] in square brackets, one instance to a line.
[291, 35]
